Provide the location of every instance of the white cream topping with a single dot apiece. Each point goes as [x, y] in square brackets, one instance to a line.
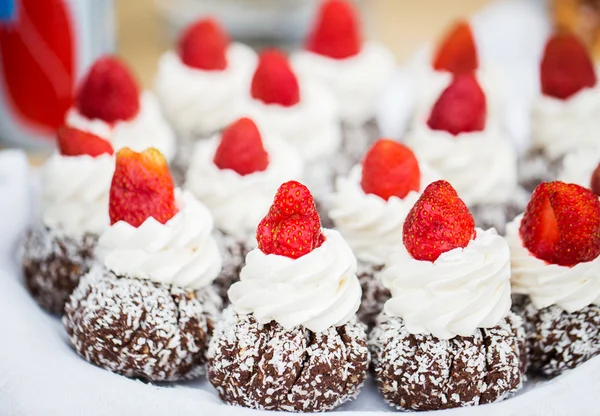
[571, 288]
[75, 193]
[311, 126]
[356, 82]
[371, 225]
[147, 129]
[561, 126]
[464, 289]
[239, 202]
[202, 102]
[578, 166]
[181, 252]
[481, 166]
[318, 290]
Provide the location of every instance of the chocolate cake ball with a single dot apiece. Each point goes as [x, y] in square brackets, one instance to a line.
[535, 167]
[356, 140]
[141, 329]
[267, 367]
[233, 251]
[559, 340]
[374, 293]
[53, 263]
[498, 215]
[421, 372]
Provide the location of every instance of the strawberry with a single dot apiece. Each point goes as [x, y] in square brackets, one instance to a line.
[108, 92]
[292, 227]
[336, 31]
[390, 169]
[141, 187]
[438, 222]
[74, 142]
[566, 67]
[595, 182]
[457, 52]
[203, 45]
[561, 224]
[274, 82]
[461, 108]
[241, 148]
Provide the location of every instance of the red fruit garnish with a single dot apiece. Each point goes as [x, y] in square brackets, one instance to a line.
[561, 224]
[108, 92]
[439, 222]
[74, 142]
[461, 108]
[457, 52]
[292, 227]
[595, 182]
[336, 31]
[241, 148]
[274, 82]
[203, 45]
[390, 169]
[566, 67]
[37, 54]
[141, 187]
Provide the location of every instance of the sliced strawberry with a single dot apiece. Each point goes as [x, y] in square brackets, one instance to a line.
[241, 148]
[108, 92]
[461, 108]
[457, 52]
[438, 222]
[561, 224]
[390, 169]
[141, 188]
[595, 182]
[74, 142]
[336, 31]
[292, 227]
[203, 45]
[274, 82]
[566, 67]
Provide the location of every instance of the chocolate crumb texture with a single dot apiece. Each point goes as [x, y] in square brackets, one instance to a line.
[233, 251]
[269, 368]
[374, 293]
[421, 372]
[498, 215]
[141, 329]
[53, 263]
[535, 167]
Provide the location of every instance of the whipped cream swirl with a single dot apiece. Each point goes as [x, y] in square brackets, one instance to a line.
[481, 166]
[201, 102]
[578, 167]
[75, 193]
[311, 126]
[357, 82]
[371, 225]
[561, 126]
[464, 289]
[239, 202]
[147, 129]
[181, 252]
[571, 288]
[318, 290]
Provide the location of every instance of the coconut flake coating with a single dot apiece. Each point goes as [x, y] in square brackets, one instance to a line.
[420, 372]
[374, 293]
[498, 215]
[139, 328]
[233, 251]
[559, 340]
[266, 367]
[535, 167]
[356, 140]
[53, 263]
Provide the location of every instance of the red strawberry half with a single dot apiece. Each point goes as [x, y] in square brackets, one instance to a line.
[561, 224]
[274, 82]
[457, 52]
[439, 222]
[108, 92]
[203, 45]
[336, 31]
[390, 169]
[241, 148]
[74, 142]
[595, 182]
[141, 187]
[566, 67]
[292, 227]
[461, 108]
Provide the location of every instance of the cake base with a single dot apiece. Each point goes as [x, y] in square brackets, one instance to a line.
[356, 141]
[535, 167]
[498, 215]
[374, 294]
[269, 368]
[233, 251]
[421, 372]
